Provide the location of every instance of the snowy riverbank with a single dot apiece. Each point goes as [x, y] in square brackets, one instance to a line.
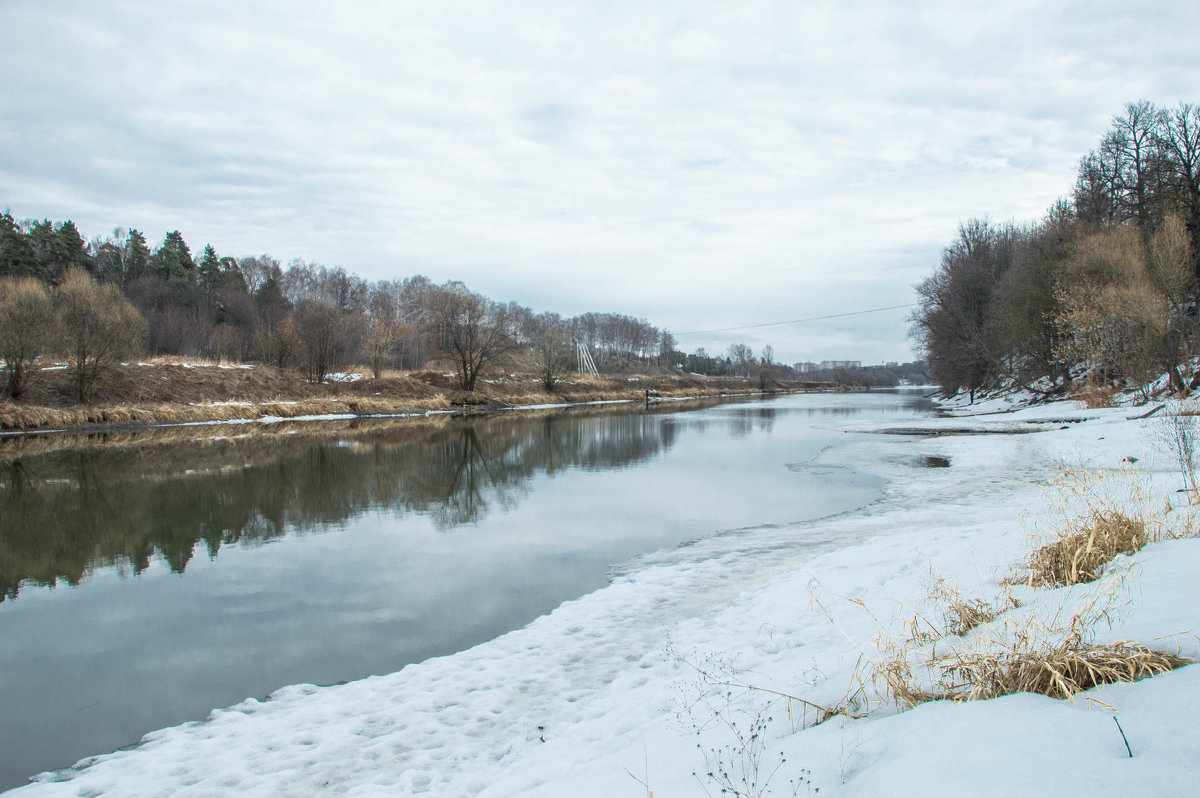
[589, 700]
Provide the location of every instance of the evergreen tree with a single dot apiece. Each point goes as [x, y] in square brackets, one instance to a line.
[16, 255]
[173, 260]
[208, 273]
[69, 250]
[232, 278]
[137, 257]
[41, 238]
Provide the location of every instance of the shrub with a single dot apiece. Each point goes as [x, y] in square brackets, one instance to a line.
[97, 325]
[25, 313]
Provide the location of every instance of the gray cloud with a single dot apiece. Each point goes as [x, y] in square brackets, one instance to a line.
[701, 164]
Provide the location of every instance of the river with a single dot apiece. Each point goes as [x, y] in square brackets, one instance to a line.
[150, 577]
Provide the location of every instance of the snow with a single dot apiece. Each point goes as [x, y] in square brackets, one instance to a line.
[594, 697]
[339, 376]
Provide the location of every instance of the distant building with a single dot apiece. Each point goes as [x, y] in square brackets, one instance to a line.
[826, 365]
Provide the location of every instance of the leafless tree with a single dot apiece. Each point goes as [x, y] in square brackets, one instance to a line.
[25, 320]
[384, 330]
[741, 359]
[470, 329]
[552, 359]
[328, 337]
[97, 325]
[766, 367]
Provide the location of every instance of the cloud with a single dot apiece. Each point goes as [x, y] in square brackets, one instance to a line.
[699, 164]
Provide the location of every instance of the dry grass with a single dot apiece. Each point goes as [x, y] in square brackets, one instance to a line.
[1080, 557]
[960, 614]
[958, 648]
[978, 650]
[1095, 517]
[1071, 667]
[1022, 654]
[1062, 671]
[26, 417]
[168, 390]
[1097, 397]
[1046, 650]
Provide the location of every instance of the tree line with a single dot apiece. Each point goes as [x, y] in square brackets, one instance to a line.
[1103, 289]
[165, 301]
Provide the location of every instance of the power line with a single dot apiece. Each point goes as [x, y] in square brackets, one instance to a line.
[797, 321]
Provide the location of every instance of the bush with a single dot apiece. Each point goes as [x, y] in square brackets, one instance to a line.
[97, 325]
[25, 313]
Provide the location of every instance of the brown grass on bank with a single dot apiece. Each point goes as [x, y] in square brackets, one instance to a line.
[1096, 397]
[1072, 667]
[1078, 558]
[961, 614]
[168, 390]
[1038, 650]
[1058, 671]
[1094, 518]
[25, 417]
[957, 648]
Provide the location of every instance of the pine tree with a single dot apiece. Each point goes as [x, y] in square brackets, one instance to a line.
[16, 255]
[137, 257]
[173, 260]
[208, 274]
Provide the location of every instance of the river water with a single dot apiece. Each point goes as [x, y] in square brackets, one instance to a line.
[147, 578]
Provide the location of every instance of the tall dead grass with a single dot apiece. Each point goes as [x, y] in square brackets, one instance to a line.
[1095, 517]
[984, 650]
[1074, 559]
[958, 648]
[31, 417]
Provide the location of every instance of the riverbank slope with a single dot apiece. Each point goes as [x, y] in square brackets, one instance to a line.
[163, 391]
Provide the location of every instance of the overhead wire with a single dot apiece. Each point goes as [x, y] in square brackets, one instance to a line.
[795, 321]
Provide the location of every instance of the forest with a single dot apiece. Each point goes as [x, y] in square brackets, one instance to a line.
[1099, 295]
[90, 302]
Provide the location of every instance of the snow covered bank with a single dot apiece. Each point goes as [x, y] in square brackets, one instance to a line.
[595, 697]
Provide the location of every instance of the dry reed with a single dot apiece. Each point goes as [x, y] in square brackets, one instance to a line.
[1047, 651]
[1080, 557]
[1096, 397]
[1095, 517]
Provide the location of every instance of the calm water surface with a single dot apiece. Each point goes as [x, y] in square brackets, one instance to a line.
[148, 578]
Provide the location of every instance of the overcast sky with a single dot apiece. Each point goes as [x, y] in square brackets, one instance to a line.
[701, 165]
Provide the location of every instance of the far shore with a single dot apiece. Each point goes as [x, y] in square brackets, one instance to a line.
[166, 393]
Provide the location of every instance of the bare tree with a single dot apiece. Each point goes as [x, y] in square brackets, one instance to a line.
[1133, 145]
[25, 315]
[97, 325]
[384, 330]
[1179, 139]
[552, 359]
[328, 336]
[470, 329]
[741, 358]
[766, 367]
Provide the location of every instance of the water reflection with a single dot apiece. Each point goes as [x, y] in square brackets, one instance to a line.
[119, 500]
[745, 420]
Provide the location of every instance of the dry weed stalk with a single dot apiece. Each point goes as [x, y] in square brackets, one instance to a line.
[1052, 656]
[1179, 430]
[1096, 397]
[1095, 517]
[1080, 557]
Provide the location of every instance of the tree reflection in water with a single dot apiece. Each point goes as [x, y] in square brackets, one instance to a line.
[75, 504]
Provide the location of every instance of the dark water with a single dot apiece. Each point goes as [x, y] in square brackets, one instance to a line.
[148, 578]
